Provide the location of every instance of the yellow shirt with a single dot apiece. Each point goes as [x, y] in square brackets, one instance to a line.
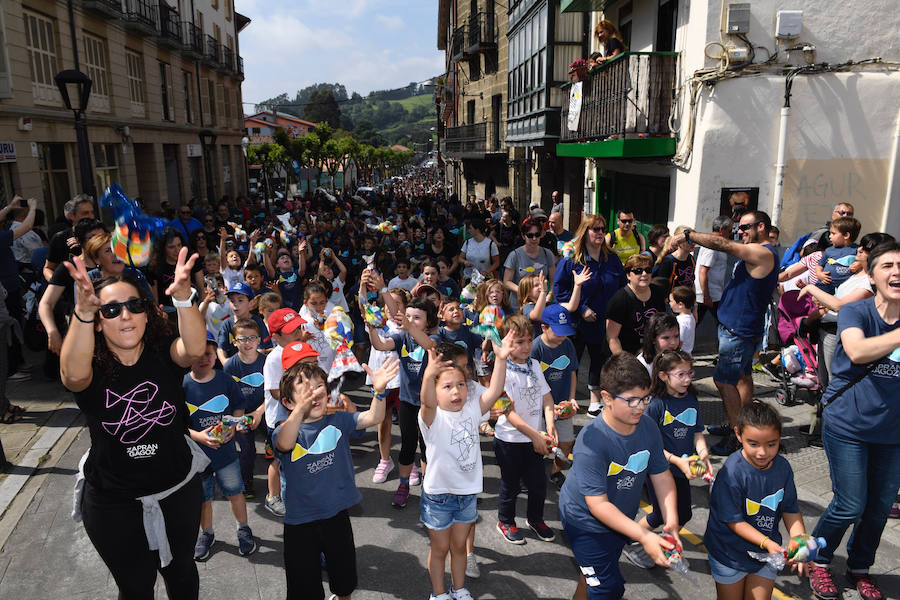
[626, 247]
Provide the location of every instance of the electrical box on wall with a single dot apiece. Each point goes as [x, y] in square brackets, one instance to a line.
[738, 18]
[788, 24]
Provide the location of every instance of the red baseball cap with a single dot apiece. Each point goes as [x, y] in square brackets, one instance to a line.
[284, 320]
[294, 353]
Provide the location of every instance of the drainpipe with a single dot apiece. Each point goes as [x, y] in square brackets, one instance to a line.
[888, 218]
[780, 166]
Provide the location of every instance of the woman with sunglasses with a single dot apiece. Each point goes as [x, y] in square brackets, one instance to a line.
[859, 428]
[607, 276]
[528, 259]
[631, 307]
[140, 500]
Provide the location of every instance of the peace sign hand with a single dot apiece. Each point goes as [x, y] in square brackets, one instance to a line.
[180, 288]
[86, 301]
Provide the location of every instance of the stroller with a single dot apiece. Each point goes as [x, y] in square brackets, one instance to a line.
[799, 378]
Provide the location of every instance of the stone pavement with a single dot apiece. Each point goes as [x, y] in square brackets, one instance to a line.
[46, 555]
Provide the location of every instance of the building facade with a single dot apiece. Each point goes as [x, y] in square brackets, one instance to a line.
[161, 71]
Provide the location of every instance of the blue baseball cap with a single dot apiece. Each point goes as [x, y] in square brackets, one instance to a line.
[557, 317]
[241, 288]
[211, 339]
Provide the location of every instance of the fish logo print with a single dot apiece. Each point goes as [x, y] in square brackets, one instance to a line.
[771, 502]
[140, 413]
[895, 355]
[253, 379]
[844, 261]
[216, 404]
[686, 417]
[417, 355]
[325, 442]
[637, 462]
[559, 364]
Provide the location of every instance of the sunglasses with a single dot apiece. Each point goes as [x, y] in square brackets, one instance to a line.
[114, 309]
[641, 270]
[598, 229]
[635, 402]
[845, 213]
[532, 236]
[747, 226]
[627, 220]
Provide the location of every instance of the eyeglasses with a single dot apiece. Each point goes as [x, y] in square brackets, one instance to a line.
[532, 236]
[114, 309]
[598, 229]
[635, 402]
[845, 213]
[747, 226]
[246, 339]
[682, 374]
[626, 221]
[640, 270]
[201, 237]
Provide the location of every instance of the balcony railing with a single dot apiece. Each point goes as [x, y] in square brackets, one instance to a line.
[211, 52]
[170, 29]
[240, 67]
[109, 8]
[140, 15]
[473, 141]
[193, 38]
[459, 44]
[482, 33]
[628, 97]
[227, 58]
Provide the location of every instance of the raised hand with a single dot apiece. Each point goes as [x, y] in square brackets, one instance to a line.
[86, 301]
[503, 352]
[583, 277]
[180, 288]
[384, 374]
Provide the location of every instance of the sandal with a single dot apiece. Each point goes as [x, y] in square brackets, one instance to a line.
[486, 429]
[10, 417]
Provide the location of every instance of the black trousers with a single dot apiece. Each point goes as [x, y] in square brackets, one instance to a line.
[116, 528]
[599, 353]
[683, 497]
[303, 544]
[410, 436]
[519, 463]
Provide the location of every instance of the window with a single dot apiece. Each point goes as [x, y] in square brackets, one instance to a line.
[165, 90]
[40, 40]
[527, 68]
[211, 94]
[135, 64]
[188, 82]
[254, 131]
[214, 4]
[54, 177]
[229, 9]
[200, 22]
[217, 33]
[475, 68]
[227, 105]
[106, 164]
[95, 64]
[5, 74]
[7, 187]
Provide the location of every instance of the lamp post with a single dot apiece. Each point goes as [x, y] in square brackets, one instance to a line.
[207, 139]
[80, 84]
[245, 143]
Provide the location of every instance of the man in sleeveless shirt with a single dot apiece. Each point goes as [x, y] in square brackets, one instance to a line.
[625, 240]
[742, 310]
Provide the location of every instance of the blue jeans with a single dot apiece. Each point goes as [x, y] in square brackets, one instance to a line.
[865, 478]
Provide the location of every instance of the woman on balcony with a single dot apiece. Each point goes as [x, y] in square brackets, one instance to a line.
[613, 44]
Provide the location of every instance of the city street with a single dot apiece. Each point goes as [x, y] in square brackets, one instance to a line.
[47, 555]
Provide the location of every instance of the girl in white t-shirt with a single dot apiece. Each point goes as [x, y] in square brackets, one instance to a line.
[314, 311]
[326, 271]
[452, 407]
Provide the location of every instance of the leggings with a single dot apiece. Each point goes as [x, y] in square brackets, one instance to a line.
[599, 353]
[116, 528]
[682, 497]
[410, 435]
[247, 444]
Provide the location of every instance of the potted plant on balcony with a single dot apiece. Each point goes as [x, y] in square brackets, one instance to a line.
[578, 69]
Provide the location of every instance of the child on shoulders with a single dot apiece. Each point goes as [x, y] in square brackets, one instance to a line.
[682, 300]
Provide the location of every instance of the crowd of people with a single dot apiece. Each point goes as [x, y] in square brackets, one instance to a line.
[471, 320]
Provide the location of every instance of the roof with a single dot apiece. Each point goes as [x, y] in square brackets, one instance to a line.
[249, 120]
[399, 147]
[283, 116]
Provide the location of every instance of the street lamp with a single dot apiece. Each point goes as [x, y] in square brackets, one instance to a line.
[208, 139]
[245, 143]
[80, 84]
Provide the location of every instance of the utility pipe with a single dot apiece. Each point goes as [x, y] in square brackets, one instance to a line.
[887, 216]
[780, 166]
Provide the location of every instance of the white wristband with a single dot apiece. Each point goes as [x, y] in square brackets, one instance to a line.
[185, 303]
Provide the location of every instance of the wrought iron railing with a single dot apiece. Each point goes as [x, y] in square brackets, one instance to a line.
[459, 44]
[193, 37]
[169, 25]
[631, 95]
[240, 66]
[482, 32]
[227, 58]
[212, 49]
[474, 140]
[141, 12]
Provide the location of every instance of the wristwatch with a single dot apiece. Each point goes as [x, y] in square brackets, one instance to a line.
[687, 235]
[185, 303]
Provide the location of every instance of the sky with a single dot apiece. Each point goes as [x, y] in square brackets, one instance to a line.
[366, 45]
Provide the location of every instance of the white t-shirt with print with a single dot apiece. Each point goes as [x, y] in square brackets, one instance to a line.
[453, 447]
[860, 281]
[379, 357]
[407, 284]
[479, 253]
[318, 341]
[272, 372]
[527, 394]
[337, 294]
[232, 276]
[216, 315]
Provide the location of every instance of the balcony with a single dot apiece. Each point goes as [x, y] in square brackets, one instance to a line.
[141, 17]
[625, 108]
[211, 51]
[482, 34]
[227, 63]
[107, 8]
[192, 40]
[239, 67]
[459, 48]
[473, 141]
[169, 28]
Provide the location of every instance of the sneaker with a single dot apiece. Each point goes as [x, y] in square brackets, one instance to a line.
[383, 470]
[19, 376]
[275, 505]
[246, 544]
[773, 371]
[542, 531]
[204, 543]
[249, 492]
[594, 410]
[758, 367]
[510, 533]
[472, 569]
[822, 584]
[727, 446]
[895, 511]
[558, 479]
[444, 596]
[400, 496]
[637, 556]
[394, 418]
[865, 586]
[719, 430]
[460, 594]
[414, 477]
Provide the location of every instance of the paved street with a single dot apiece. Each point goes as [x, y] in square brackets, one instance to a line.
[47, 555]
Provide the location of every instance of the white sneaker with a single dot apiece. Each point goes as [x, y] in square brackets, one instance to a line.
[382, 471]
[594, 409]
[19, 376]
[414, 477]
[472, 569]
[275, 505]
[461, 594]
[444, 596]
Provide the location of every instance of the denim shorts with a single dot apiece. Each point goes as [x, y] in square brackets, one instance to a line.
[228, 478]
[727, 575]
[735, 357]
[440, 511]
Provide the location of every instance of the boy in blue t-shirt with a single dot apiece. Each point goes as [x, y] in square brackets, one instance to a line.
[313, 449]
[834, 266]
[454, 330]
[210, 395]
[239, 296]
[559, 363]
[246, 368]
[614, 455]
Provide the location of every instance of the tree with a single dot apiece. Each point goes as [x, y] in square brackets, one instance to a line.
[271, 103]
[322, 106]
[270, 157]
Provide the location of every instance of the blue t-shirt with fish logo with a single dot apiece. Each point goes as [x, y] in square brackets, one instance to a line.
[249, 378]
[678, 420]
[207, 403]
[557, 365]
